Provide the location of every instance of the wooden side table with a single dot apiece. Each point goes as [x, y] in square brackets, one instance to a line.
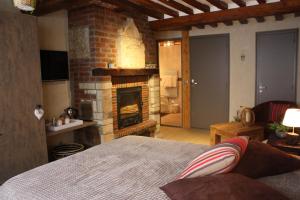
[234, 129]
[283, 146]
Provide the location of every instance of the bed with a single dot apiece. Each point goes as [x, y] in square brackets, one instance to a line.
[131, 167]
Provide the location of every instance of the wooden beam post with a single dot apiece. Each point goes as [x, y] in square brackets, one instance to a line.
[186, 87]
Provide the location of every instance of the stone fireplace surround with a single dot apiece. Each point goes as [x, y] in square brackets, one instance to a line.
[94, 34]
[104, 102]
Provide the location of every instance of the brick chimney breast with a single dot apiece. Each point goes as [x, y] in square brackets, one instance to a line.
[130, 46]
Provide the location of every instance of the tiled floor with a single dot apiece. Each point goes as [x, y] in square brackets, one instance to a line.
[198, 136]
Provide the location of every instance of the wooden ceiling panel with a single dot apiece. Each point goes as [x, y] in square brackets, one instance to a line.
[157, 9]
[223, 6]
[198, 5]
[262, 10]
[131, 7]
[178, 6]
[155, 6]
[219, 4]
[240, 3]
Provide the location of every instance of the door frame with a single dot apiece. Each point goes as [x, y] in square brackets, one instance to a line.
[295, 30]
[228, 75]
[182, 110]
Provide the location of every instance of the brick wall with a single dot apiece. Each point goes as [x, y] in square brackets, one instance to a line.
[93, 33]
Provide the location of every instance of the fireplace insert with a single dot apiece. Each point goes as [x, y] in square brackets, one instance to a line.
[129, 105]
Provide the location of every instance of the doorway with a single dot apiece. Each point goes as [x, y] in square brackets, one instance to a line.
[170, 82]
[209, 63]
[276, 65]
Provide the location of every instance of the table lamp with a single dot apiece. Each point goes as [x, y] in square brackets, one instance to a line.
[292, 119]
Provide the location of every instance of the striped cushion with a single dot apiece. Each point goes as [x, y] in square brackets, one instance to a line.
[221, 158]
[277, 111]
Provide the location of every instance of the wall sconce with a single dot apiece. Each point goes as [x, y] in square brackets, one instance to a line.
[168, 43]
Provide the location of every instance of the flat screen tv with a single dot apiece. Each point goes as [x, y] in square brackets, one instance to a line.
[54, 65]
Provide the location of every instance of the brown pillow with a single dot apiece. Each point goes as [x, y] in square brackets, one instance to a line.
[219, 187]
[262, 160]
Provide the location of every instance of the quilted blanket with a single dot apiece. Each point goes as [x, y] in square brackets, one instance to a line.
[131, 167]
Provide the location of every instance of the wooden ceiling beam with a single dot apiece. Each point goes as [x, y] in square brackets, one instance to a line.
[46, 7]
[219, 4]
[198, 5]
[260, 19]
[261, 1]
[178, 6]
[240, 3]
[223, 6]
[228, 23]
[200, 26]
[262, 10]
[243, 21]
[131, 7]
[213, 25]
[279, 17]
[155, 6]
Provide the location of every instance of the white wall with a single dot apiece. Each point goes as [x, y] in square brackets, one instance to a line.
[243, 40]
[53, 35]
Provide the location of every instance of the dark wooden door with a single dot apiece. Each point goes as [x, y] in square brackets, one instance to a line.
[22, 140]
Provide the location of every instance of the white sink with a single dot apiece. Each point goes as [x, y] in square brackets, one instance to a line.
[73, 122]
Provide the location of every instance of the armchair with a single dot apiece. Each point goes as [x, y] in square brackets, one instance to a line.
[269, 112]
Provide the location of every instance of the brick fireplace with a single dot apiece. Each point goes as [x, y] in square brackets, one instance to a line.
[98, 36]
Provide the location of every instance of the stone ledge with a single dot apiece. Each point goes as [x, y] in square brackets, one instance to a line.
[138, 129]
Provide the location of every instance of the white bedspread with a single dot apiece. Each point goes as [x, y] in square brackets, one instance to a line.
[131, 167]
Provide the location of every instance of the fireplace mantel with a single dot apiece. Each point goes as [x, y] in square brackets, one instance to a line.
[124, 72]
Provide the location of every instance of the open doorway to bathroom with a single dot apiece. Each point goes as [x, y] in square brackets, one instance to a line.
[170, 82]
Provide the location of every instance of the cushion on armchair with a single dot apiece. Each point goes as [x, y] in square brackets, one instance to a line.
[277, 111]
[271, 111]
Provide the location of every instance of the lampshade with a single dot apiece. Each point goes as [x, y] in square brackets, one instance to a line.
[26, 5]
[292, 117]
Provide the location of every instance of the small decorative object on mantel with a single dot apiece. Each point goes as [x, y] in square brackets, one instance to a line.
[111, 64]
[25, 5]
[247, 117]
[292, 119]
